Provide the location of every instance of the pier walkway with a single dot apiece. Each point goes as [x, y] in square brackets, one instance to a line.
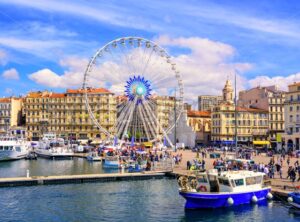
[67, 179]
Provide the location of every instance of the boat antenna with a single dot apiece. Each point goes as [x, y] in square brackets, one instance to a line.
[235, 113]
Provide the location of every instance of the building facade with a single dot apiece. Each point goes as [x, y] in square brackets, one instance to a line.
[292, 117]
[207, 102]
[271, 99]
[66, 113]
[248, 124]
[200, 121]
[10, 113]
[252, 125]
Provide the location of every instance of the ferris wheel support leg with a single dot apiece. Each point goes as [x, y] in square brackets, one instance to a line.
[163, 131]
[124, 119]
[143, 121]
[121, 118]
[152, 120]
[130, 117]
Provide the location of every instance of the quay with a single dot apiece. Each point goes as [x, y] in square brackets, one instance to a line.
[86, 178]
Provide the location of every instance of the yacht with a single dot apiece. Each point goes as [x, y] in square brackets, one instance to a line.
[52, 147]
[215, 189]
[14, 146]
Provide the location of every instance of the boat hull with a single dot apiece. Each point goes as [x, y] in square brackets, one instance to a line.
[111, 164]
[53, 155]
[7, 155]
[217, 200]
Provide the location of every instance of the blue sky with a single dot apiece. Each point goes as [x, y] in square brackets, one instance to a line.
[258, 39]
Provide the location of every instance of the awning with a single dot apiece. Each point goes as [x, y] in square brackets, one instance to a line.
[263, 142]
[147, 144]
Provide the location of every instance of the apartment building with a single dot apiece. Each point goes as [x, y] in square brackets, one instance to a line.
[66, 114]
[292, 117]
[267, 98]
[10, 113]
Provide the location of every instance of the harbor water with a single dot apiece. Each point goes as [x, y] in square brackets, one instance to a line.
[47, 167]
[148, 200]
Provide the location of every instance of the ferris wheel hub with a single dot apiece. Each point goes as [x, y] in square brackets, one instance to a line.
[138, 87]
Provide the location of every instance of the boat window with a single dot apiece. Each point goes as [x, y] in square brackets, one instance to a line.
[1, 147]
[202, 179]
[224, 182]
[258, 179]
[212, 178]
[18, 149]
[6, 147]
[250, 180]
[239, 182]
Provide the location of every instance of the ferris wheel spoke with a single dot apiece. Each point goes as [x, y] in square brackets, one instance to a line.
[151, 114]
[131, 70]
[122, 120]
[150, 123]
[143, 121]
[131, 58]
[130, 117]
[147, 62]
[123, 112]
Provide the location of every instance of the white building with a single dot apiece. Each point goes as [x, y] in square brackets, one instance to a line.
[184, 133]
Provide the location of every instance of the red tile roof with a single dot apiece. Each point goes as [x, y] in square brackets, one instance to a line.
[295, 84]
[5, 100]
[89, 90]
[195, 113]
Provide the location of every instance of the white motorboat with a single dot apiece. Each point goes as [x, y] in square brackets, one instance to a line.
[14, 146]
[54, 148]
[93, 156]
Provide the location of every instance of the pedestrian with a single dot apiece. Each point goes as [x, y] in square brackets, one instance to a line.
[188, 165]
[280, 172]
[293, 174]
[203, 164]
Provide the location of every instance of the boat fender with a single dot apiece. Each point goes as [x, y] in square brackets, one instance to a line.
[254, 199]
[290, 199]
[269, 196]
[203, 188]
[230, 201]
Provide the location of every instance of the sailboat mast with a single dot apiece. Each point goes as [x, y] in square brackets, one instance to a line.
[175, 136]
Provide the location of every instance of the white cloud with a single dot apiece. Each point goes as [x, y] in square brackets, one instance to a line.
[203, 70]
[281, 81]
[72, 77]
[206, 68]
[11, 74]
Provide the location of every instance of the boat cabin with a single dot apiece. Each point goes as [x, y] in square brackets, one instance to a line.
[229, 181]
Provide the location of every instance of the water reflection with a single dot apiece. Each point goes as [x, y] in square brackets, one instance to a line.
[46, 167]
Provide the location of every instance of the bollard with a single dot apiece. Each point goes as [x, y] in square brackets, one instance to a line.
[27, 173]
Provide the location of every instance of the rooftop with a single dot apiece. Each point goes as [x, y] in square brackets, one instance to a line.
[195, 113]
[89, 90]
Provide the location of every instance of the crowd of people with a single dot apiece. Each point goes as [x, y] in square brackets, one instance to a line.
[244, 161]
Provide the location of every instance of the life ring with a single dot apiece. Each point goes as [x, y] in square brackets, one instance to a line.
[203, 188]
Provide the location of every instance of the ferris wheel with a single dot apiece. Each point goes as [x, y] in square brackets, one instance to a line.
[147, 86]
